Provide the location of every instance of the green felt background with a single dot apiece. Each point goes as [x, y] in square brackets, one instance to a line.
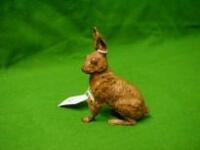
[154, 44]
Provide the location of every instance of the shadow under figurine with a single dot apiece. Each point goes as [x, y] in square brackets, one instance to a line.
[107, 88]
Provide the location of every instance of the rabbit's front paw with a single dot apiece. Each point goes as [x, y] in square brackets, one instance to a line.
[87, 119]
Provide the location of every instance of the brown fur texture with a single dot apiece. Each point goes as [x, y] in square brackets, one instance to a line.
[107, 88]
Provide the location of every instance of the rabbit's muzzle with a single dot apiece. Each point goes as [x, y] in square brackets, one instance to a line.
[85, 69]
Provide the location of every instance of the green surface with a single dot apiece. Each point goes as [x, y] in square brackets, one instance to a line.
[155, 45]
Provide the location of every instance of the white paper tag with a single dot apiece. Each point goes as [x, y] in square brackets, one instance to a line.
[74, 100]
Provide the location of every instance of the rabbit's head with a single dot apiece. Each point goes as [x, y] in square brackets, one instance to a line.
[96, 62]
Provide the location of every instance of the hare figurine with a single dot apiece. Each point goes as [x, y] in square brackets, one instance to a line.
[107, 88]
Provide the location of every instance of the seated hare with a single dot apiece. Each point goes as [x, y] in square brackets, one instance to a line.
[107, 88]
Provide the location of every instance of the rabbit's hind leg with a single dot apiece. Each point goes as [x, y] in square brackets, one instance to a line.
[118, 121]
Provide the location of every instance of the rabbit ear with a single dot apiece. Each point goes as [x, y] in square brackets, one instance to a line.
[99, 42]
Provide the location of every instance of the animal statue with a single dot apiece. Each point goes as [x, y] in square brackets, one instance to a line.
[107, 88]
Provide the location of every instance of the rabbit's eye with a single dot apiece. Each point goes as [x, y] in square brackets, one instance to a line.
[94, 61]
